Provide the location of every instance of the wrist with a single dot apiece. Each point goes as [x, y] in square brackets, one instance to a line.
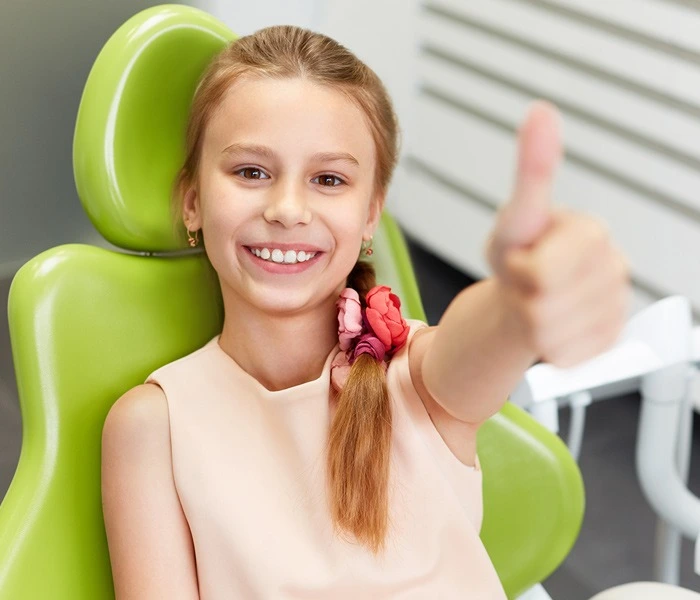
[511, 321]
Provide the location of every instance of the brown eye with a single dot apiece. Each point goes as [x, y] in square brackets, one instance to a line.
[252, 173]
[329, 180]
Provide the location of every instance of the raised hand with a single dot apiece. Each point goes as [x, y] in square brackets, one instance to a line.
[565, 284]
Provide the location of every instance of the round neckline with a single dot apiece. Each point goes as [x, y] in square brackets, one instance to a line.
[324, 376]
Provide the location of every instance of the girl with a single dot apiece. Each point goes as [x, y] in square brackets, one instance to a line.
[321, 446]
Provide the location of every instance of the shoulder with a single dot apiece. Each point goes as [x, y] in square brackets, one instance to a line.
[150, 543]
[141, 405]
[138, 417]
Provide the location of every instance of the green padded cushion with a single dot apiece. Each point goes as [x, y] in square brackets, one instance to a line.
[86, 325]
[533, 498]
[129, 134]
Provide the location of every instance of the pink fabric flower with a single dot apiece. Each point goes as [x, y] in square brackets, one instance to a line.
[370, 344]
[384, 317]
[340, 369]
[349, 317]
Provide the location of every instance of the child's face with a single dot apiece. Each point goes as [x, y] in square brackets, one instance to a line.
[286, 165]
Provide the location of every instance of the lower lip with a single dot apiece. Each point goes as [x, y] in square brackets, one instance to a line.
[281, 268]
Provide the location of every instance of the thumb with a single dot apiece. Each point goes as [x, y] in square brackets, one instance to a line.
[526, 216]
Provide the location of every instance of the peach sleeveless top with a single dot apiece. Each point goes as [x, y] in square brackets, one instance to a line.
[249, 469]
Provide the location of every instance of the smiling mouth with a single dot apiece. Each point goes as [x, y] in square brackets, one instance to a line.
[282, 257]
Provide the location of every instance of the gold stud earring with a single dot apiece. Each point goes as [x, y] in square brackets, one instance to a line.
[193, 240]
[367, 247]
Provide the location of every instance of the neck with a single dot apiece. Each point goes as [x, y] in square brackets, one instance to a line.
[294, 349]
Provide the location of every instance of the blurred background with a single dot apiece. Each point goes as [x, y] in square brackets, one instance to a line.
[624, 73]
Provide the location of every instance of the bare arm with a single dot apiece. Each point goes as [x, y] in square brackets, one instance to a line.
[476, 356]
[149, 540]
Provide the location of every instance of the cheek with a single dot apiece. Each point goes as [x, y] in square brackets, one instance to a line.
[350, 217]
[223, 215]
[347, 229]
[217, 222]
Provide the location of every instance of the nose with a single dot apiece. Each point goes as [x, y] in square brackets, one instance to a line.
[289, 206]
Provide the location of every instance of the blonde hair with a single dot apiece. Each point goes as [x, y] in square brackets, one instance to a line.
[360, 434]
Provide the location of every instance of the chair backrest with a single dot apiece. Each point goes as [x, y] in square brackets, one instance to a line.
[87, 324]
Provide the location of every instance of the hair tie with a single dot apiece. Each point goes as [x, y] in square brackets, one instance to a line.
[369, 344]
[379, 329]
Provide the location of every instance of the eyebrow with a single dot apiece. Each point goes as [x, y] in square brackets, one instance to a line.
[335, 156]
[238, 148]
[265, 152]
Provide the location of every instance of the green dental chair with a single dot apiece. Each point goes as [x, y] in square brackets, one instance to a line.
[89, 323]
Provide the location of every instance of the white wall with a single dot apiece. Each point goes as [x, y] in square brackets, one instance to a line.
[383, 33]
[626, 76]
[246, 17]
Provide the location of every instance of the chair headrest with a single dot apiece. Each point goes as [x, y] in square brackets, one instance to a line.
[130, 129]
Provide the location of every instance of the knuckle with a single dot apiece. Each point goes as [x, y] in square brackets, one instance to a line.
[615, 333]
[534, 280]
[537, 310]
[615, 270]
[619, 304]
[529, 319]
[608, 334]
[544, 341]
[538, 282]
[512, 264]
[564, 360]
[541, 276]
[606, 343]
[542, 347]
[598, 234]
[624, 268]
[489, 250]
[624, 303]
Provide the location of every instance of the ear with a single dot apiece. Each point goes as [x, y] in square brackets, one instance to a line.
[376, 206]
[191, 210]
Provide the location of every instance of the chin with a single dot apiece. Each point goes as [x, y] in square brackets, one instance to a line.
[286, 296]
[286, 301]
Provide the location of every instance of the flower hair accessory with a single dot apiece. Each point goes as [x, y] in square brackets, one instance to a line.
[378, 329]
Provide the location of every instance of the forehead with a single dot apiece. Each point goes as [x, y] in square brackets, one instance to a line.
[293, 116]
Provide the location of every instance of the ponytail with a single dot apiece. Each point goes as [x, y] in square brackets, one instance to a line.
[360, 442]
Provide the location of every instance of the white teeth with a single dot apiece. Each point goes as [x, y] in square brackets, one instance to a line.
[289, 257]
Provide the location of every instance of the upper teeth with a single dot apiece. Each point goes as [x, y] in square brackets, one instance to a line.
[279, 256]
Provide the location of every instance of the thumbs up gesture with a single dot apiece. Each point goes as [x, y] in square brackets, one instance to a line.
[565, 284]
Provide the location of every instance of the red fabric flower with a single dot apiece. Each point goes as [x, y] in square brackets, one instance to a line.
[384, 317]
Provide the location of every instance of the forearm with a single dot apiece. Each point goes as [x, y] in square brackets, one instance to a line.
[477, 354]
